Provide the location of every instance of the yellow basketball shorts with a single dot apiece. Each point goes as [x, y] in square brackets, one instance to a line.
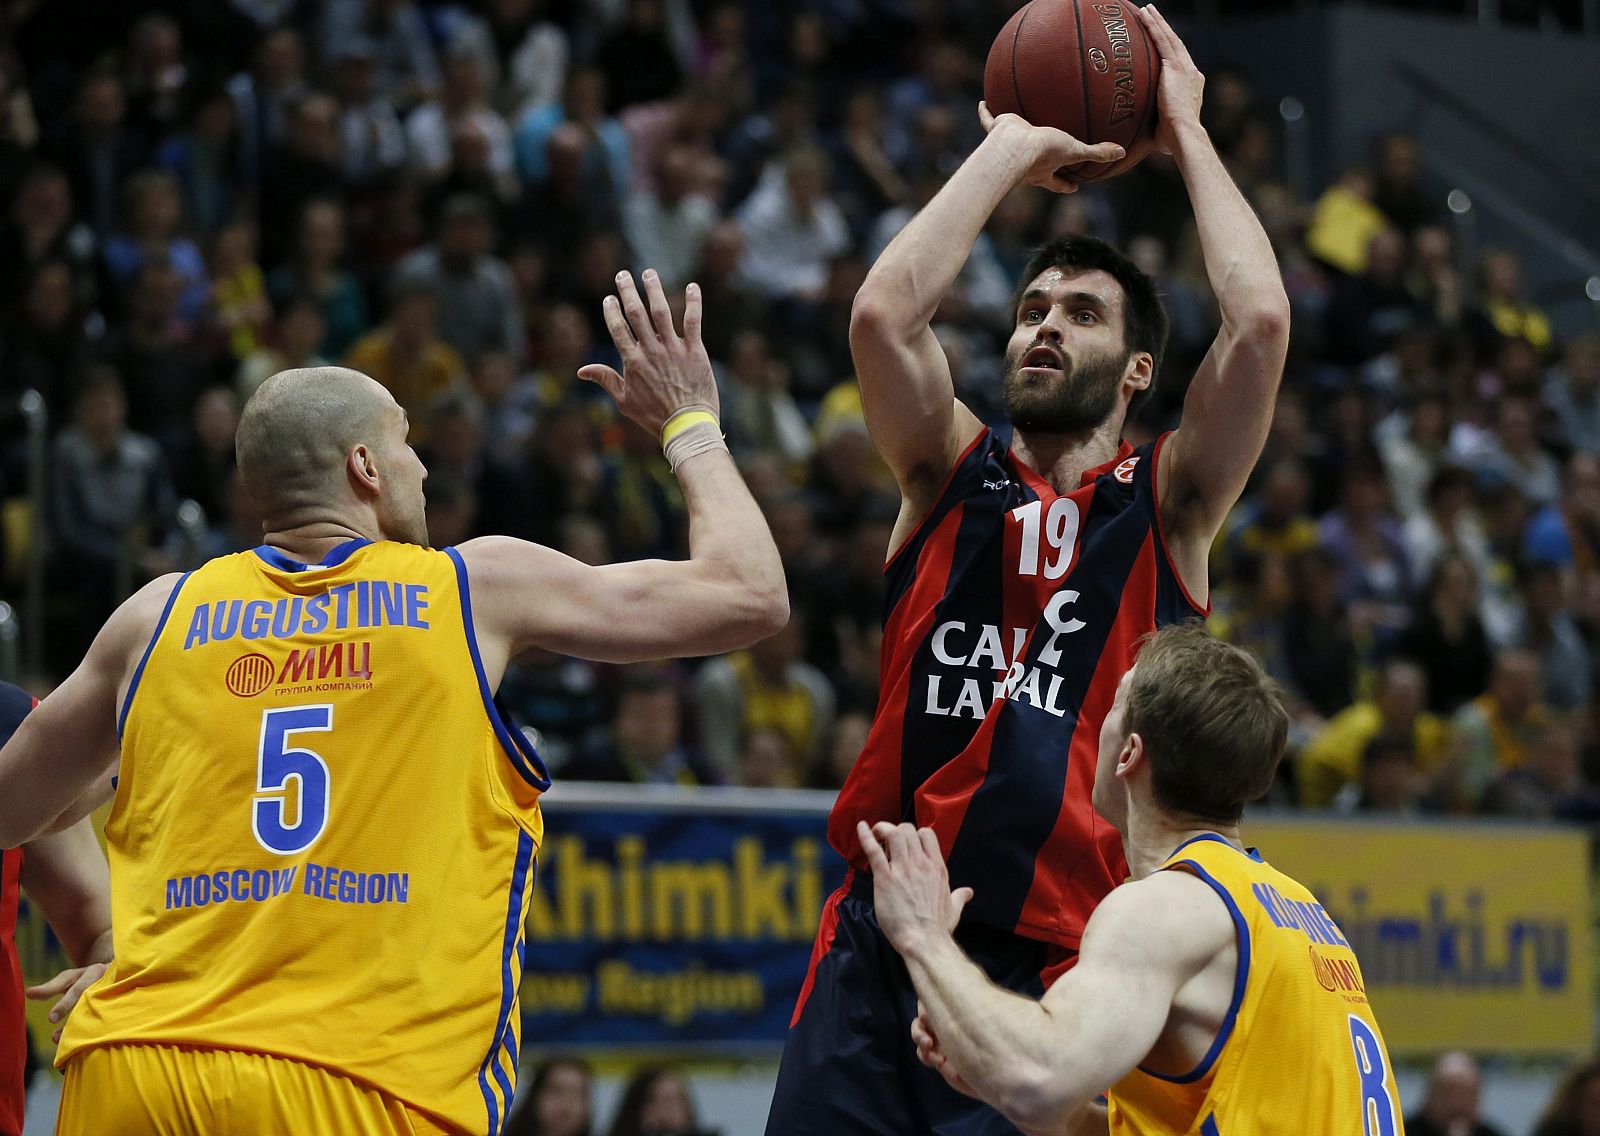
[168, 1090]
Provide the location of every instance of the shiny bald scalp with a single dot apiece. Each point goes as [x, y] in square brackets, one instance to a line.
[297, 430]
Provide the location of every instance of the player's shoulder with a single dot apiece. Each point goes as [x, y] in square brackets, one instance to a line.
[1174, 913]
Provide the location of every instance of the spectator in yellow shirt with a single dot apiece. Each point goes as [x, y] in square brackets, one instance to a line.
[1333, 758]
[407, 356]
[1496, 732]
[1344, 221]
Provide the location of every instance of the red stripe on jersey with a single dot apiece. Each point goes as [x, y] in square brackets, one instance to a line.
[872, 791]
[13, 1042]
[824, 944]
[1059, 903]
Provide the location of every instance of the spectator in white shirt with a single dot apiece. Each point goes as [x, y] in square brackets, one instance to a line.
[462, 101]
[792, 229]
[666, 224]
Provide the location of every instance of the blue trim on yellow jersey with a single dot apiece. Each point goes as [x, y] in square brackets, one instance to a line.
[524, 757]
[1209, 1128]
[1241, 976]
[335, 557]
[508, 990]
[138, 672]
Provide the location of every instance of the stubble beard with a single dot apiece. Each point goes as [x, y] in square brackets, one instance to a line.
[1082, 399]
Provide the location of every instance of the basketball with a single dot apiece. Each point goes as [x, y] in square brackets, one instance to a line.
[1085, 68]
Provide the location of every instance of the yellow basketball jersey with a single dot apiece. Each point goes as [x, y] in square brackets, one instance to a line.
[324, 830]
[1299, 1053]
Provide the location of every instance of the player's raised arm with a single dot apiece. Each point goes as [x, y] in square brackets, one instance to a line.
[1041, 1063]
[728, 594]
[906, 389]
[58, 766]
[1229, 404]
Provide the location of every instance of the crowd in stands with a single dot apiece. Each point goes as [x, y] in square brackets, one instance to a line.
[196, 195]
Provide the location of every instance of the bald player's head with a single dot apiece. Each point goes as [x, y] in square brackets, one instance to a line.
[297, 448]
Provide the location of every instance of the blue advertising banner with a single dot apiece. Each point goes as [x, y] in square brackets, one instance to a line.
[666, 918]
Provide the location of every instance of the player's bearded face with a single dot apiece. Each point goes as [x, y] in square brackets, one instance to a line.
[1079, 397]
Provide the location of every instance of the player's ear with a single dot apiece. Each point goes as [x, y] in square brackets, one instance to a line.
[362, 466]
[1144, 370]
[1132, 755]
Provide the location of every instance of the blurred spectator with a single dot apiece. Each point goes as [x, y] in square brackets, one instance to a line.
[1551, 784]
[1411, 443]
[522, 52]
[1345, 222]
[477, 300]
[407, 356]
[792, 229]
[153, 215]
[1495, 732]
[510, 403]
[463, 102]
[1319, 650]
[604, 146]
[372, 141]
[205, 466]
[1512, 454]
[157, 75]
[239, 304]
[728, 302]
[315, 271]
[455, 438]
[1501, 310]
[637, 57]
[1333, 759]
[408, 70]
[264, 95]
[849, 739]
[765, 761]
[1455, 1089]
[163, 371]
[110, 497]
[768, 686]
[42, 346]
[1572, 395]
[1567, 534]
[295, 341]
[558, 1100]
[667, 222]
[41, 228]
[1364, 538]
[1448, 525]
[645, 511]
[758, 413]
[97, 148]
[1389, 783]
[569, 207]
[1369, 310]
[645, 741]
[306, 166]
[1396, 189]
[656, 1102]
[1574, 1110]
[1447, 638]
[1548, 630]
[556, 474]
[1275, 520]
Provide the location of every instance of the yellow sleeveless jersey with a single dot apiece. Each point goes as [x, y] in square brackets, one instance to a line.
[1299, 1053]
[323, 837]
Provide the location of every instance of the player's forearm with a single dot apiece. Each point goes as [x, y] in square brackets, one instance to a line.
[1008, 1048]
[730, 543]
[904, 287]
[1240, 263]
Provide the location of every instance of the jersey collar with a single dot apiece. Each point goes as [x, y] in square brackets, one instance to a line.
[336, 556]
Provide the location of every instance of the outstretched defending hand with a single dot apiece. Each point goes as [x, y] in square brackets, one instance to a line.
[910, 887]
[1052, 150]
[1182, 85]
[662, 372]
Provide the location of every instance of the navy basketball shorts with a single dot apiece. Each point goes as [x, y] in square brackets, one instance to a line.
[849, 1065]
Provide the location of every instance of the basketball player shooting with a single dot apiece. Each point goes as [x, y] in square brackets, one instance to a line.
[1020, 581]
[324, 825]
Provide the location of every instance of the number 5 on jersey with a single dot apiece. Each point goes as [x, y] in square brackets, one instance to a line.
[277, 766]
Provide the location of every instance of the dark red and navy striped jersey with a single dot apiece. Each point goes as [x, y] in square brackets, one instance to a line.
[14, 706]
[1012, 613]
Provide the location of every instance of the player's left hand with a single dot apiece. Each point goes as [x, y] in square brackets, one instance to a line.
[910, 887]
[1182, 87]
[70, 985]
[929, 1053]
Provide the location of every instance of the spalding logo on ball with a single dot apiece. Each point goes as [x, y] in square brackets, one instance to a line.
[1080, 67]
